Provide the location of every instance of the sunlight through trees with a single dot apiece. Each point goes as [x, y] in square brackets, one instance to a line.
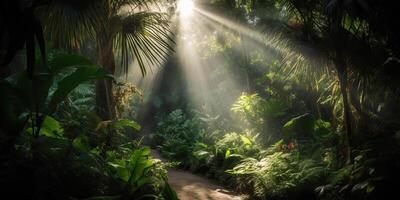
[269, 99]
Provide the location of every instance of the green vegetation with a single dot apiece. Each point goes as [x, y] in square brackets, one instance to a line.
[275, 99]
[72, 158]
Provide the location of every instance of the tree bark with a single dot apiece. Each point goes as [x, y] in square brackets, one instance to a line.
[105, 104]
[342, 75]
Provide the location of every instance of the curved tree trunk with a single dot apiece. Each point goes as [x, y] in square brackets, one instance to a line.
[105, 105]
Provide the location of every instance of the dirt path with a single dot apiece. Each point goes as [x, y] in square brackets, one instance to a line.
[192, 187]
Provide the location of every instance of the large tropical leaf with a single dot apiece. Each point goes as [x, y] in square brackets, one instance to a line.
[59, 61]
[70, 82]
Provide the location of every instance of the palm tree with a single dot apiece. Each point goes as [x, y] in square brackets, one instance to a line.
[122, 30]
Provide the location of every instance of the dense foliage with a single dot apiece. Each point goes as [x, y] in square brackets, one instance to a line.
[303, 162]
[61, 149]
[57, 140]
[277, 99]
[311, 123]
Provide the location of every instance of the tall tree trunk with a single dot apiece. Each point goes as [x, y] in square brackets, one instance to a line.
[342, 73]
[105, 105]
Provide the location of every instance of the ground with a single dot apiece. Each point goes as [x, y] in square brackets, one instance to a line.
[189, 186]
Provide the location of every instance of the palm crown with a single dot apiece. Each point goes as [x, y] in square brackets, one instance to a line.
[123, 31]
[128, 29]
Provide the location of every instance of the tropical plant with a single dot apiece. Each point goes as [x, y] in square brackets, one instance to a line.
[77, 112]
[262, 115]
[254, 107]
[124, 31]
[114, 132]
[177, 125]
[280, 175]
[29, 100]
[73, 167]
[136, 172]
[343, 34]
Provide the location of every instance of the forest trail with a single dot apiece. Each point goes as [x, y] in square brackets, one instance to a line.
[192, 187]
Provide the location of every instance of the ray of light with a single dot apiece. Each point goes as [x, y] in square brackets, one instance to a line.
[210, 83]
[194, 27]
[274, 41]
[185, 7]
[291, 54]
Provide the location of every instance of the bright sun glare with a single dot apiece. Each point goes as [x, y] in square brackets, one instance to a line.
[185, 7]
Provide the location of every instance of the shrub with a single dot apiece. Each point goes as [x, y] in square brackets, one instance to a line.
[280, 176]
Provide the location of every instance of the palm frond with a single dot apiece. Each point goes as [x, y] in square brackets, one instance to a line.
[71, 22]
[135, 5]
[144, 36]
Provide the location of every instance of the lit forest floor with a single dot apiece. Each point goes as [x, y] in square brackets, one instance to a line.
[192, 187]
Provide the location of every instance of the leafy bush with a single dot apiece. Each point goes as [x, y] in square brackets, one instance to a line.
[51, 84]
[254, 109]
[54, 164]
[177, 125]
[176, 135]
[262, 115]
[226, 151]
[304, 163]
[280, 176]
[240, 145]
[75, 169]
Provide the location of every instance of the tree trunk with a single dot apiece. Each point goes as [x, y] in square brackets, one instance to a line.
[342, 74]
[105, 105]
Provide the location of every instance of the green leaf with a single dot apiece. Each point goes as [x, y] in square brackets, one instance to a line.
[61, 61]
[47, 143]
[140, 183]
[370, 188]
[274, 108]
[201, 153]
[120, 169]
[168, 192]
[137, 167]
[201, 145]
[81, 143]
[128, 123]
[301, 126]
[245, 140]
[51, 128]
[227, 153]
[70, 82]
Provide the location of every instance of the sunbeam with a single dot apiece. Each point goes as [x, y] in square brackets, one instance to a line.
[185, 7]
[293, 55]
[130, 99]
